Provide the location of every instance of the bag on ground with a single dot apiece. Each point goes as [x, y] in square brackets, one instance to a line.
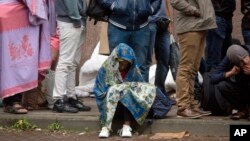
[161, 106]
[174, 56]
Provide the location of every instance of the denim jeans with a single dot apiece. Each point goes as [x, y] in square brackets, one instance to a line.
[138, 40]
[160, 41]
[246, 36]
[218, 40]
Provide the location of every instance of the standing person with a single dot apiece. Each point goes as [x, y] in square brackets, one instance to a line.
[119, 81]
[128, 23]
[71, 22]
[194, 17]
[219, 39]
[160, 42]
[245, 22]
[24, 51]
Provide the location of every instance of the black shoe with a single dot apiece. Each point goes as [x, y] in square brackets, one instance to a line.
[79, 105]
[61, 106]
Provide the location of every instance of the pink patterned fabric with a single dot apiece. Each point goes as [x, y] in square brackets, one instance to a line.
[24, 44]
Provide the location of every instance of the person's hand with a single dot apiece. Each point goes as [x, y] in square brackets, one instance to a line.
[196, 13]
[246, 69]
[77, 24]
[235, 70]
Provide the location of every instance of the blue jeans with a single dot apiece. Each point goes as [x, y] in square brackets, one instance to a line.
[218, 40]
[160, 41]
[138, 40]
[246, 36]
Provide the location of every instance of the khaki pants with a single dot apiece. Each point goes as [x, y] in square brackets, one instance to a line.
[70, 51]
[191, 50]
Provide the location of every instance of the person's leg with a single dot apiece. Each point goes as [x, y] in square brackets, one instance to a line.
[228, 39]
[117, 36]
[189, 43]
[214, 42]
[246, 36]
[76, 55]
[201, 39]
[153, 30]
[8, 101]
[139, 41]
[162, 55]
[126, 129]
[68, 51]
[237, 95]
[13, 104]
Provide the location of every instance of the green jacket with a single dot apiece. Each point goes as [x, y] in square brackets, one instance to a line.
[187, 22]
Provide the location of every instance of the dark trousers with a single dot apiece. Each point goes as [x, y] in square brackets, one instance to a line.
[123, 113]
[160, 41]
[8, 101]
[218, 40]
[237, 94]
[246, 36]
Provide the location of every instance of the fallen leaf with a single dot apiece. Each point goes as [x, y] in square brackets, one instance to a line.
[178, 135]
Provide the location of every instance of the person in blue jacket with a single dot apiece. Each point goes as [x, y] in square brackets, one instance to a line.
[128, 23]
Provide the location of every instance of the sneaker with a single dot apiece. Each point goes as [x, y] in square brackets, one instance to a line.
[188, 113]
[92, 95]
[126, 131]
[202, 112]
[79, 105]
[104, 133]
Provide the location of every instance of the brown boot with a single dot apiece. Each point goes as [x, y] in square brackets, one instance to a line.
[188, 113]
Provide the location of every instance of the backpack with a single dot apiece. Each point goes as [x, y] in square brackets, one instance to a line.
[97, 12]
[161, 106]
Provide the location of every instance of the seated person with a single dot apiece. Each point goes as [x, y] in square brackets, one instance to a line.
[232, 79]
[119, 80]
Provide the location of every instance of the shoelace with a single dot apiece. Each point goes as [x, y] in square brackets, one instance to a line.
[119, 132]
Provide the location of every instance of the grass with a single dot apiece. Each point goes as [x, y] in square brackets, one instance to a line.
[23, 124]
[55, 126]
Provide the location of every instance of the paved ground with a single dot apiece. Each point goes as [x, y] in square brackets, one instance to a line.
[88, 121]
[92, 38]
[13, 135]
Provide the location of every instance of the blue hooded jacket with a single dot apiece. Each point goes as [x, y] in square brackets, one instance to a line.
[130, 14]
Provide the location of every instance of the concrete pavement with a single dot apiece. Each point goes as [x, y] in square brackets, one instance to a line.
[82, 121]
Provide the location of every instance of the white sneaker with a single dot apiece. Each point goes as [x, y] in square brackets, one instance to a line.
[126, 131]
[104, 133]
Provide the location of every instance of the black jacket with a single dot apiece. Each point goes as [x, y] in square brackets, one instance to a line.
[224, 8]
[245, 10]
[130, 14]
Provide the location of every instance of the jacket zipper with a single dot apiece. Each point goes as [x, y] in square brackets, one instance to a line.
[134, 15]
